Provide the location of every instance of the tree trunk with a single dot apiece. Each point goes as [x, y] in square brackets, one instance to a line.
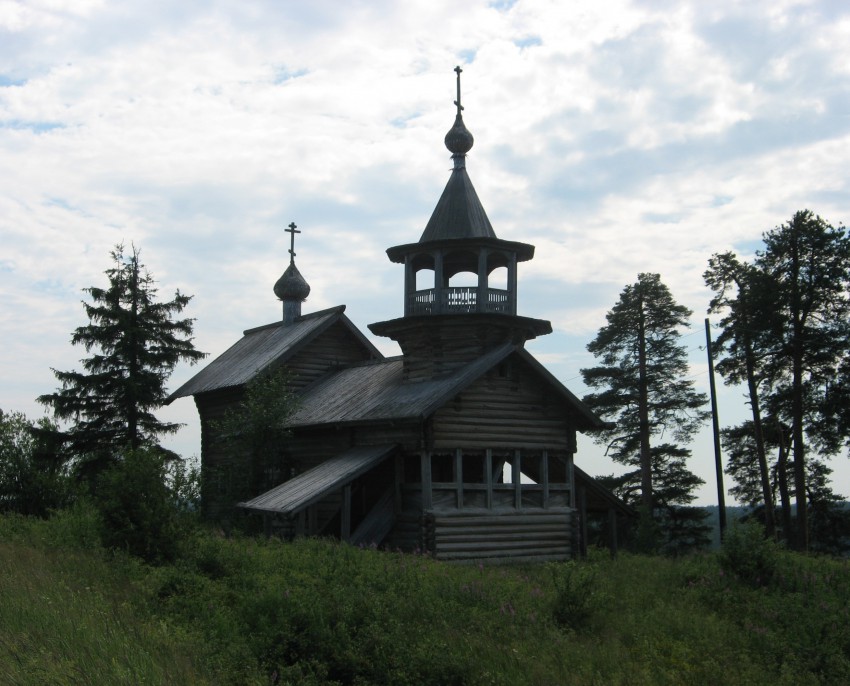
[782, 480]
[133, 352]
[643, 414]
[798, 324]
[764, 473]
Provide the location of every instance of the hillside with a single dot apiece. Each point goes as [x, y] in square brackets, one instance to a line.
[248, 611]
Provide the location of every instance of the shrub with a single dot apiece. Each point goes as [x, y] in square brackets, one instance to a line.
[747, 554]
[34, 477]
[575, 594]
[140, 508]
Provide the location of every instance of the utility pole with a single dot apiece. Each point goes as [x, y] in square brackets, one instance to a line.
[718, 463]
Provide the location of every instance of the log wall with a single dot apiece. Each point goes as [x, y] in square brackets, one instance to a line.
[507, 408]
[335, 347]
[501, 537]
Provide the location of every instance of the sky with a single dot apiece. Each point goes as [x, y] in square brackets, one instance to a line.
[617, 137]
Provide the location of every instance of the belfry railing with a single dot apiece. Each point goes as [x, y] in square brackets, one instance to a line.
[458, 300]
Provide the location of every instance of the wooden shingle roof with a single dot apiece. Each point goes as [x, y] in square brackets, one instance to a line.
[376, 392]
[263, 347]
[459, 213]
[305, 489]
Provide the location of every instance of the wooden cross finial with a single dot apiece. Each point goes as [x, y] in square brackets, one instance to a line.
[458, 70]
[292, 230]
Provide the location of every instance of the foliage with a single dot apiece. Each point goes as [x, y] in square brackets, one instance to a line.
[748, 553]
[576, 594]
[786, 330]
[144, 501]
[644, 388]
[748, 300]
[256, 434]
[248, 611]
[134, 343]
[33, 470]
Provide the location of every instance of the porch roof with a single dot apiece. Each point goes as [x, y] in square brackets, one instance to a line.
[301, 491]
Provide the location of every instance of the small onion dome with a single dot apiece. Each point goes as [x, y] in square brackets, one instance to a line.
[459, 140]
[292, 286]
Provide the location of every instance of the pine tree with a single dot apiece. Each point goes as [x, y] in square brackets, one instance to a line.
[644, 389]
[746, 297]
[134, 343]
[808, 262]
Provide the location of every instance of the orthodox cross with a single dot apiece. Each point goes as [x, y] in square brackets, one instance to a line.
[292, 230]
[458, 70]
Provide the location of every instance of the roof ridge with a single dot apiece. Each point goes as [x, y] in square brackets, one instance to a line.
[304, 317]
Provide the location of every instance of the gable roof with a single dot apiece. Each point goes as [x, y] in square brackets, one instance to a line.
[599, 498]
[266, 346]
[376, 392]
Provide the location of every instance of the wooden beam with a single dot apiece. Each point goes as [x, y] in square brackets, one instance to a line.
[481, 294]
[516, 475]
[458, 477]
[312, 520]
[582, 522]
[544, 475]
[425, 464]
[398, 478]
[345, 513]
[488, 477]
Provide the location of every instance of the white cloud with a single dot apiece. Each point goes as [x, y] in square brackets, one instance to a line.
[618, 137]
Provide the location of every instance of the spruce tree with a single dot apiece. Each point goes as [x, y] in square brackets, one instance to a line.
[134, 342]
[644, 389]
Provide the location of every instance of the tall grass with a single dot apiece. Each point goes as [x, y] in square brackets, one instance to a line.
[65, 619]
[243, 610]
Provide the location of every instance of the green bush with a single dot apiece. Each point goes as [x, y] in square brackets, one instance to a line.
[575, 594]
[34, 478]
[748, 555]
[141, 505]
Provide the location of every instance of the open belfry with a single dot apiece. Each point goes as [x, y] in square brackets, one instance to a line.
[462, 447]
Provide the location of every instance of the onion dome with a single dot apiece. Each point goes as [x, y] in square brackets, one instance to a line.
[459, 140]
[291, 285]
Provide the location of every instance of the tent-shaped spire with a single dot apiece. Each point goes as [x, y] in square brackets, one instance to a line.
[459, 213]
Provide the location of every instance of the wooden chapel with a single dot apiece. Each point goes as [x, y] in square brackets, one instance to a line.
[461, 447]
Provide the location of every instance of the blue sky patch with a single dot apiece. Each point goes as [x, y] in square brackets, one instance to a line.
[6, 81]
[284, 74]
[528, 42]
[34, 126]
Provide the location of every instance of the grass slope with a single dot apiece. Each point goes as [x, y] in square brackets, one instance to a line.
[247, 611]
